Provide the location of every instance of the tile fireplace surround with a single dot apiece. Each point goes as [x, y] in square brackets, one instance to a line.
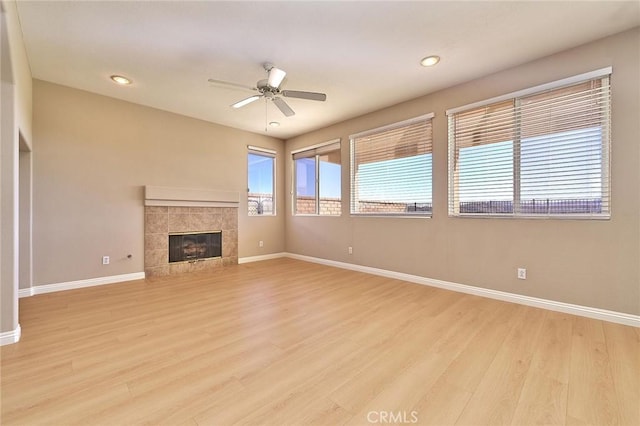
[169, 210]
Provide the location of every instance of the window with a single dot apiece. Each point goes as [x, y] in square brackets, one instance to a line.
[260, 196]
[317, 180]
[540, 152]
[391, 169]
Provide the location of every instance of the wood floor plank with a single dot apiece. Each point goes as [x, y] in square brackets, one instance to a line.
[442, 405]
[325, 362]
[288, 342]
[399, 353]
[623, 349]
[408, 387]
[65, 407]
[544, 397]
[591, 394]
[495, 400]
[468, 368]
[23, 395]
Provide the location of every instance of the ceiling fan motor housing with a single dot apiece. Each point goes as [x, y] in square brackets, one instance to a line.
[263, 85]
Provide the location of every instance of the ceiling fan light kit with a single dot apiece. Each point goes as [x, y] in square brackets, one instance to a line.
[269, 88]
[276, 75]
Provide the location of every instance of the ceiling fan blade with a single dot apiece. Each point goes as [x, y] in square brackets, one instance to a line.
[312, 96]
[246, 101]
[231, 85]
[282, 106]
[276, 75]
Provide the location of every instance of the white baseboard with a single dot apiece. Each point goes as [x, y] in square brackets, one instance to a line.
[25, 292]
[9, 337]
[72, 285]
[584, 311]
[262, 257]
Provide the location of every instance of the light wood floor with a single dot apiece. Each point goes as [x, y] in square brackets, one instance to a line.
[288, 342]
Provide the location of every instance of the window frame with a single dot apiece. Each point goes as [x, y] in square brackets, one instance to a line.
[605, 146]
[352, 172]
[317, 151]
[268, 153]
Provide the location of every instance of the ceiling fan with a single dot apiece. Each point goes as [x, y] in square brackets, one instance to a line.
[269, 88]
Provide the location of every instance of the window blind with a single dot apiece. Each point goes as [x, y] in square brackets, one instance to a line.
[325, 148]
[391, 169]
[543, 153]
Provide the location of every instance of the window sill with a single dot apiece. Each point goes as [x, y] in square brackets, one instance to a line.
[397, 216]
[316, 215]
[535, 217]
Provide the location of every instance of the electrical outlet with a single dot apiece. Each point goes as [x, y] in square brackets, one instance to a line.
[522, 274]
[350, 250]
[105, 260]
[261, 243]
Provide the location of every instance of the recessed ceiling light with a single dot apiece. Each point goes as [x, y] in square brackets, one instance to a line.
[274, 124]
[120, 80]
[430, 61]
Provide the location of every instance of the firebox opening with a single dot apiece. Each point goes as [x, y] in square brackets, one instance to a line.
[194, 246]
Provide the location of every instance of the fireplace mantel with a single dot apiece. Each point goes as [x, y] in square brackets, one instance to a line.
[189, 197]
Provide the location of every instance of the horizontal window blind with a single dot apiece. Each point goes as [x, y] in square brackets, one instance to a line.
[391, 169]
[540, 154]
[327, 148]
[261, 151]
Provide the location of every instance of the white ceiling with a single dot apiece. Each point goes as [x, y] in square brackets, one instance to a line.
[363, 55]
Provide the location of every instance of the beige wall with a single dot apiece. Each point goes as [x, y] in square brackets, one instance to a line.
[92, 157]
[592, 263]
